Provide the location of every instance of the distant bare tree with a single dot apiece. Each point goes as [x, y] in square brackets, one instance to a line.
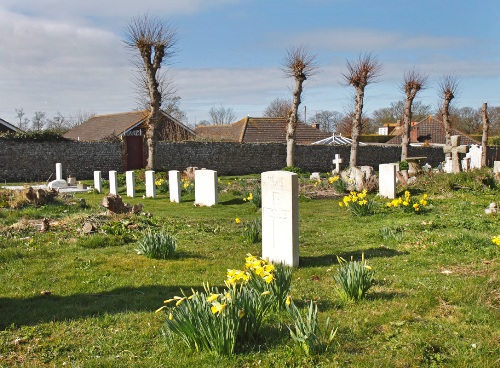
[327, 120]
[298, 64]
[486, 127]
[359, 74]
[393, 113]
[155, 41]
[413, 82]
[448, 88]
[80, 117]
[38, 120]
[59, 123]
[278, 108]
[20, 113]
[221, 115]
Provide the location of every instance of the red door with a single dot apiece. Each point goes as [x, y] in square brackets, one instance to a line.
[135, 153]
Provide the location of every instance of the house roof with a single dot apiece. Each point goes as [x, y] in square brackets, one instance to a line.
[100, 127]
[5, 126]
[430, 130]
[260, 130]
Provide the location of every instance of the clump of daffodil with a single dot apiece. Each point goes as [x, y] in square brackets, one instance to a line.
[333, 179]
[409, 203]
[354, 278]
[496, 240]
[187, 185]
[358, 203]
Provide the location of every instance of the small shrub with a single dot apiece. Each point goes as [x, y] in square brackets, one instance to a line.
[307, 333]
[251, 231]
[404, 165]
[157, 245]
[254, 198]
[294, 169]
[354, 278]
[358, 204]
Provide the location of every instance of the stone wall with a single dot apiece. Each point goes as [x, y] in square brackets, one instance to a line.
[35, 161]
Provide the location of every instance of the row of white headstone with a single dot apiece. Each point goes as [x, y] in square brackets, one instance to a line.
[205, 187]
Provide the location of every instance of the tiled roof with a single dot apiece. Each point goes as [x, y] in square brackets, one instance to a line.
[431, 130]
[260, 130]
[102, 127]
[7, 127]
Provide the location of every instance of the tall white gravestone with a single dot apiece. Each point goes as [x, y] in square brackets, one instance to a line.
[150, 184]
[174, 186]
[59, 175]
[280, 217]
[130, 180]
[113, 182]
[98, 181]
[205, 188]
[496, 166]
[387, 180]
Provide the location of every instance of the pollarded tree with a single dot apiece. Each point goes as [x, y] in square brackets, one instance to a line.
[448, 88]
[359, 74]
[413, 82]
[298, 64]
[155, 41]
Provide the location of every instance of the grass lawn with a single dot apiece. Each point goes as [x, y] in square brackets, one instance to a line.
[67, 298]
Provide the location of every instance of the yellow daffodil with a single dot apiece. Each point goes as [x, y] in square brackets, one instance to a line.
[496, 240]
[237, 220]
[288, 300]
[170, 316]
[267, 292]
[169, 301]
[217, 308]
[179, 302]
[268, 278]
[241, 313]
[212, 297]
[160, 309]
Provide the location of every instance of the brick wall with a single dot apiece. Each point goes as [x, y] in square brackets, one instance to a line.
[35, 161]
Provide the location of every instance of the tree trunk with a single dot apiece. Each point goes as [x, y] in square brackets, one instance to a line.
[486, 127]
[153, 120]
[356, 127]
[292, 122]
[446, 121]
[405, 138]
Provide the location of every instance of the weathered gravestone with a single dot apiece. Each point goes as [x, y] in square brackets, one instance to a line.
[337, 161]
[315, 176]
[130, 181]
[387, 180]
[455, 149]
[98, 181]
[496, 166]
[205, 187]
[59, 182]
[475, 154]
[113, 182]
[174, 186]
[150, 184]
[280, 219]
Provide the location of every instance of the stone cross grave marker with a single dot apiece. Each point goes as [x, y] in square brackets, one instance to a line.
[98, 181]
[174, 186]
[387, 180]
[59, 182]
[455, 149]
[113, 182]
[205, 187]
[337, 161]
[150, 184]
[130, 180]
[280, 219]
[59, 175]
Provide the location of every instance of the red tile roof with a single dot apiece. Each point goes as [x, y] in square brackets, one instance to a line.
[101, 127]
[259, 130]
[430, 130]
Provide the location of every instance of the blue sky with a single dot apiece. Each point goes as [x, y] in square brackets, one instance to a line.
[60, 56]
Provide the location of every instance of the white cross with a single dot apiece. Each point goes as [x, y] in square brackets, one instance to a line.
[337, 161]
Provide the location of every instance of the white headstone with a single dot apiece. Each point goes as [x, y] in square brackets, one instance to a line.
[59, 175]
[280, 219]
[475, 153]
[205, 187]
[98, 181]
[130, 180]
[448, 165]
[466, 164]
[113, 182]
[387, 180]
[496, 166]
[150, 184]
[315, 175]
[337, 161]
[174, 186]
